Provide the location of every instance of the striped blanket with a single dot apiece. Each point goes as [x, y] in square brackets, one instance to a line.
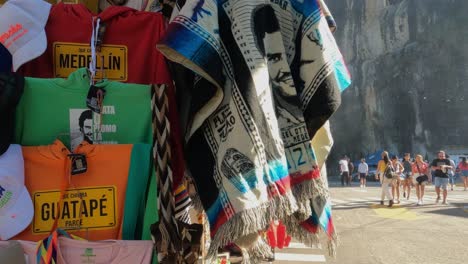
[268, 75]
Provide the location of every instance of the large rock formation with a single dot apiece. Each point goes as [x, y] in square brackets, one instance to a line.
[409, 64]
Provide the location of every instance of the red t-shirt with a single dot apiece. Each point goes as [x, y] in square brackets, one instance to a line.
[128, 48]
[463, 166]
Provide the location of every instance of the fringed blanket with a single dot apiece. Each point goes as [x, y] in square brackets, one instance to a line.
[269, 76]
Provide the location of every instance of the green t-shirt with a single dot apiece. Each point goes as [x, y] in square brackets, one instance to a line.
[56, 109]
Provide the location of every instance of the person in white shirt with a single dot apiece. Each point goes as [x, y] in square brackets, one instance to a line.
[363, 170]
[398, 167]
[344, 171]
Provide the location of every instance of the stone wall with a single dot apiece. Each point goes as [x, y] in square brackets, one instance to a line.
[409, 64]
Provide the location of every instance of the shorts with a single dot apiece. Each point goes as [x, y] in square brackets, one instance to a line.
[464, 173]
[441, 183]
[406, 175]
[362, 175]
[420, 179]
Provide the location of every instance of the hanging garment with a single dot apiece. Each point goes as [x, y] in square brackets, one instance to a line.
[63, 248]
[11, 90]
[107, 201]
[251, 115]
[127, 50]
[125, 119]
[127, 54]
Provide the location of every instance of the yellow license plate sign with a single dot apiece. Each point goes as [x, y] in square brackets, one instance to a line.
[86, 208]
[111, 61]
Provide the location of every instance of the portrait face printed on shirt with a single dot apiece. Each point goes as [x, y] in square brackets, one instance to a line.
[87, 129]
[270, 44]
[278, 68]
[86, 125]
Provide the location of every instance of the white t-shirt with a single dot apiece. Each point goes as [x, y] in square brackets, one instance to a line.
[363, 167]
[344, 166]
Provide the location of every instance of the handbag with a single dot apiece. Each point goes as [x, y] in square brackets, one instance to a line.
[422, 177]
[389, 172]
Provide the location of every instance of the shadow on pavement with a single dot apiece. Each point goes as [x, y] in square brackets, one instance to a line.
[459, 211]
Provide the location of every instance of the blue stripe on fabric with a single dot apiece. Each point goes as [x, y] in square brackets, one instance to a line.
[199, 51]
[306, 7]
[325, 216]
[342, 75]
[214, 210]
[277, 171]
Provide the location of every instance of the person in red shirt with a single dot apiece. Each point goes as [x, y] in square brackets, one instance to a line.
[462, 168]
[420, 179]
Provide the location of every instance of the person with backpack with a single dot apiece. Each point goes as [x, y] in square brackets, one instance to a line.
[385, 171]
[408, 175]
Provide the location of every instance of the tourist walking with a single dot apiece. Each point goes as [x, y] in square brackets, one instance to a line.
[344, 170]
[363, 170]
[420, 171]
[407, 176]
[396, 180]
[441, 165]
[451, 172]
[385, 171]
[463, 171]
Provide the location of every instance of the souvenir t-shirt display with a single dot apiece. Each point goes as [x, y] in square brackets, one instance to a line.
[96, 192]
[56, 108]
[70, 251]
[127, 52]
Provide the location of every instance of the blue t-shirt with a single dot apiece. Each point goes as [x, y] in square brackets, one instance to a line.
[5, 59]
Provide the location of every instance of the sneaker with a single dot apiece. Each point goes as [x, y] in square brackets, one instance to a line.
[390, 203]
[437, 199]
[444, 202]
[419, 202]
[397, 201]
[381, 202]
